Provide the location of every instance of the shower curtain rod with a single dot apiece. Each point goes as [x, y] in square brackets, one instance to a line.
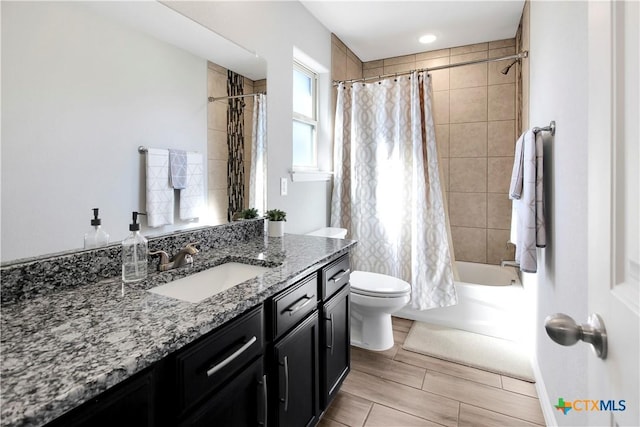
[218, 98]
[523, 54]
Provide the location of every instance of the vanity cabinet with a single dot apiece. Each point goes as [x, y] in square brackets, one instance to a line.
[335, 331]
[128, 403]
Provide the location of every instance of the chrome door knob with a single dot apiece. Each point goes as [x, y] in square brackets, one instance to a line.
[565, 331]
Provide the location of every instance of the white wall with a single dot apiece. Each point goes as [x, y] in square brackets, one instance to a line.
[558, 91]
[79, 95]
[272, 30]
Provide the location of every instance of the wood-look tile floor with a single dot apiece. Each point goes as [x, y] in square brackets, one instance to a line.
[398, 388]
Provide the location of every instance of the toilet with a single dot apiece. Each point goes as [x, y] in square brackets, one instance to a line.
[374, 297]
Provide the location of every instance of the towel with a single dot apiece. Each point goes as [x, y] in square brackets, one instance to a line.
[192, 197]
[178, 166]
[528, 207]
[159, 193]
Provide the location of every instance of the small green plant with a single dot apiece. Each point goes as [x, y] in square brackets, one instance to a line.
[249, 213]
[276, 215]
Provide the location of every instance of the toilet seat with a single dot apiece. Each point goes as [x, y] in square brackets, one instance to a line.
[378, 285]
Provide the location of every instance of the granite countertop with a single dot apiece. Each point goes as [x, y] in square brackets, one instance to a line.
[62, 349]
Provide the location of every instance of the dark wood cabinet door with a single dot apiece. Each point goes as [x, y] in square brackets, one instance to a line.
[335, 345]
[127, 404]
[240, 403]
[295, 373]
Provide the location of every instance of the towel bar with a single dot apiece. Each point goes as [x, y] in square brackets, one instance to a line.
[551, 128]
[142, 149]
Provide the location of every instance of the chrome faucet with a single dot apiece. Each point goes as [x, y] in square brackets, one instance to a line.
[509, 263]
[183, 257]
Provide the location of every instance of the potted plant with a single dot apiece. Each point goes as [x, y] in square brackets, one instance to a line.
[249, 213]
[276, 219]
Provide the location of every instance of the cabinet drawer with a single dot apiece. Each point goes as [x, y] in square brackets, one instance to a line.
[334, 276]
[208, 364]
[295, 304]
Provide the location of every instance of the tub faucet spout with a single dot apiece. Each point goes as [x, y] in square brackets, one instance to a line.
[509, 263]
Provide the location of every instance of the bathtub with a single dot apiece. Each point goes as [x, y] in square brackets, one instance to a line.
[490, 302]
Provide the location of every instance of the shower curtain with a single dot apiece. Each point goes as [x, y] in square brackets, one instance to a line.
[258, 171]
[387, 189]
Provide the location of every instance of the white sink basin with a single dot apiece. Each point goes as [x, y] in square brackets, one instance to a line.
[202, 285]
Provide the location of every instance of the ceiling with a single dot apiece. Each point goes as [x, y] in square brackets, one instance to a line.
[383, 29]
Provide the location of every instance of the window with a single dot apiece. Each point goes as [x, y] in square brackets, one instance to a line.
[305, 123]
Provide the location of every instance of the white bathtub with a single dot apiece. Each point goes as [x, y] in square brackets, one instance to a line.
[490, 302]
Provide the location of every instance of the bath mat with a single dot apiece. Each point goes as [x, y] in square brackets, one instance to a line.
[470, 349]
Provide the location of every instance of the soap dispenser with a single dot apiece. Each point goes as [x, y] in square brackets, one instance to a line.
[134, 253]
[97, 236]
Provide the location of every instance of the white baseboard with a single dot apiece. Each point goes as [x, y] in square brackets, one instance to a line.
[548, 410]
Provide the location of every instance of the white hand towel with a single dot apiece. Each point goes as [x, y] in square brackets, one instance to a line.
[529, 227]
[178, 166]
[192, 197]
[159, 193]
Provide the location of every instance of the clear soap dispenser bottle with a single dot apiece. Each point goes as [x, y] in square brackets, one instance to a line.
[134, 253]
[97, 237]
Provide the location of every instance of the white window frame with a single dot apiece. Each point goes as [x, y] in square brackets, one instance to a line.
[309, 120]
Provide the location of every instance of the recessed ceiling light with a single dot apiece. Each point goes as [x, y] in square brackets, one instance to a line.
[427, 38]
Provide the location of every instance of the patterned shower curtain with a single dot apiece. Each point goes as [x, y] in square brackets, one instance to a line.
[387, 190]
[258, 171]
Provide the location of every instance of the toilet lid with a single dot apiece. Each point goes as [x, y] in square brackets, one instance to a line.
[380, 285]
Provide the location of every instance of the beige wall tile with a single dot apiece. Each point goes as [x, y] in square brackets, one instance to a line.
[216, 84]
[218, 205]
[455, 59]
[336, 40]
[338, 64]
[373, 72]
[217, 145]
[502, 102]
[353, 57]
[468, 76]
[439, 79]
[499, 174]
[497, 246]
[496, 44]
[495, 76]
[469, 244]
[406, 59]
[498, 211]
[444, 165]
[468, 175]
[217, 115]
[501, 138]
[441, 107]
[354, 69]
[502, 51]
[216, 67]
[399, 68]
[433, 54]
[468, 105]
[442, 140]
[468, 209]
[469, 48]
[468, 139]
[217, 174]
[373, 64]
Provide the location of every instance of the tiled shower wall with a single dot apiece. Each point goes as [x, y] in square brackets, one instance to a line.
[217, 151]
[475, 116]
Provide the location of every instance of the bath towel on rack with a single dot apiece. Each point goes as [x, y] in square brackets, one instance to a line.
[178, 169]
[192, 197]
[159, 192]
[527, 192]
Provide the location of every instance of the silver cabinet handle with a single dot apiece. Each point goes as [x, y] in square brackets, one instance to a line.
[215, 368]
[265, 413]
[300, 305]
[565, 331]
[340, 275]
[330, 319]
[286, 383]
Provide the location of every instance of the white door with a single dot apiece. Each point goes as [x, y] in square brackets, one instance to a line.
[614, 220]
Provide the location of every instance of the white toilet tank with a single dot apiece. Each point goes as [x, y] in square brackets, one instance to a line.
[332, 232]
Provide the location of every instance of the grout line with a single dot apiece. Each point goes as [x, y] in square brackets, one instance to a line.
[364, 423]
[500, 413]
